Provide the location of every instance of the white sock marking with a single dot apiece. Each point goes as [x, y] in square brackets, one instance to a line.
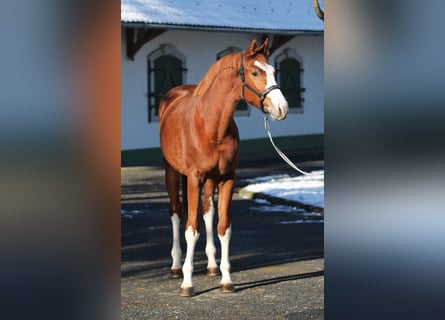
[176, 248]
[210, 244]
[225, 264]
[191, 237]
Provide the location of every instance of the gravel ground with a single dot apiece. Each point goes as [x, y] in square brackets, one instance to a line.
[277, 269]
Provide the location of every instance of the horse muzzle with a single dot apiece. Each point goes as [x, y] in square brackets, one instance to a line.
[277, 108]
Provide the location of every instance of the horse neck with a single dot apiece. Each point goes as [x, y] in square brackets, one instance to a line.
[219, 103]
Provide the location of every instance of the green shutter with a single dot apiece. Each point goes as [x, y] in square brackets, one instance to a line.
[168, 73]
[242, 106]
[289, 71]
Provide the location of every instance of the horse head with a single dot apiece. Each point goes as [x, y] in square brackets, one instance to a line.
[259, 86]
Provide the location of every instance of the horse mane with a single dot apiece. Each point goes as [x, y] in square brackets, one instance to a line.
[227, 62]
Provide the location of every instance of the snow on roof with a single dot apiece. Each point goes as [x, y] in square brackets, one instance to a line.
[256, 15]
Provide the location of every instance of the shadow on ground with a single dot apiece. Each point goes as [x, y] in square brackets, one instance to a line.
[277, 268]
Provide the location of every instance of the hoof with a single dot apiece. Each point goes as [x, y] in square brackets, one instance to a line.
[175, 273]
[186, 292]
[212, 272]
[227, 288]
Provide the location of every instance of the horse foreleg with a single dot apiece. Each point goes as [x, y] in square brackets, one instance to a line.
[191, 235]
[172, 183]
[209, 211]
[226, 281]
[225, 190]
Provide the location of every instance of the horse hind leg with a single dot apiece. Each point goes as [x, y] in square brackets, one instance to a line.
[172, 182]
[184, 201]
[208, 210]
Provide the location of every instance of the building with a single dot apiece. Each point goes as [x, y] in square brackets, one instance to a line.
[172, 42]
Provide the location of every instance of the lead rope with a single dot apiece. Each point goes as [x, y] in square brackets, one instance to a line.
[280, 153]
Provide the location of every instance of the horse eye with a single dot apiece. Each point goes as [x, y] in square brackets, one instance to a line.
[255, 73]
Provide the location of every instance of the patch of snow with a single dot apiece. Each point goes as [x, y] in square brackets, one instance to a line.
[300, 221]
[267, 207]
[130, 213]
[266, 178]
[307, 189]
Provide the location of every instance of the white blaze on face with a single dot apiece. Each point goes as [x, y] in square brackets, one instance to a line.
[278, 108]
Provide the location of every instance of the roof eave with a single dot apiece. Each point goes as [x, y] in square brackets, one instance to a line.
[219, 28]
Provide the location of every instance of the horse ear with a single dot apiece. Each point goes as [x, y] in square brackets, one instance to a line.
[254, 50]
[251, 51]
[264, 48]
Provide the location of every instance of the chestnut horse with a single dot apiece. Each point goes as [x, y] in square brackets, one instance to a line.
[200, 140]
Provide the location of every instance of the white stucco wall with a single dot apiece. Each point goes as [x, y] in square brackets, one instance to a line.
[200, 49]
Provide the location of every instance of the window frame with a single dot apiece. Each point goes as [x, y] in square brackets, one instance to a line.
[162, 51]
[290, 53]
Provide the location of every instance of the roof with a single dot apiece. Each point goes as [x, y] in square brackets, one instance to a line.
[289, 16]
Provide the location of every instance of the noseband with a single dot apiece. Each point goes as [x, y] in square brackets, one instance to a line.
[261, 96]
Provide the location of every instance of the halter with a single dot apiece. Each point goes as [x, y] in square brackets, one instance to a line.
[261, 96]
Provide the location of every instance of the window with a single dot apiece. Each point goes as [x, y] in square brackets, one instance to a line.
[242, 109]
[166, 69]
[289, 70]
